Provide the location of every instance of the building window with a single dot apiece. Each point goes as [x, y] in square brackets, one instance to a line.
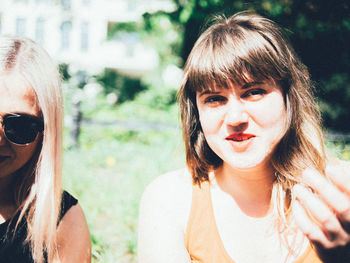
[86, 2]
[66, 4]
[45, 1]
[66, 28]
[130, 40]
[21, 27]
[40, 31]
[0, 23]
[132, 5]
[84, 36]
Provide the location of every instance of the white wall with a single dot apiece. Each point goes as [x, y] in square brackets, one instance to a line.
[97, 14]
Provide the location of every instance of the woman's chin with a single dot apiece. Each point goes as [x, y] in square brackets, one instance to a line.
[248, 161]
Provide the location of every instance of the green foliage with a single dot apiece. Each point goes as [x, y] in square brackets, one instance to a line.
[338, 149]
[335, 94]
[123, 86]
[117, 28]
[319, 31]
[165, 36]
[108, 175]
[113, 166]
[110, 172]
[63, 69]
[160, 95]
[157, 98]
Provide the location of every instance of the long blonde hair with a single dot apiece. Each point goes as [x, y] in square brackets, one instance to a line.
[37, 190]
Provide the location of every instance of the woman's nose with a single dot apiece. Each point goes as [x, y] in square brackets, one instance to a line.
[236, 113]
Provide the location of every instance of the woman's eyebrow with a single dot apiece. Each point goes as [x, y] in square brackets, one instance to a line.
[250, 84]
[245, 86]
[208, 92]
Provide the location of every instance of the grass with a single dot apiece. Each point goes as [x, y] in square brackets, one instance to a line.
[110, 170]
[108, 175]
[339, 149]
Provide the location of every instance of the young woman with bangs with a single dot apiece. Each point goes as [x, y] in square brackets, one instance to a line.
[258, 186]
[38, 222]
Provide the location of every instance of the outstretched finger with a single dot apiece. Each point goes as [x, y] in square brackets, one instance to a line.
[340, 176]
[321, 214]
[309, 228]
[333, 196]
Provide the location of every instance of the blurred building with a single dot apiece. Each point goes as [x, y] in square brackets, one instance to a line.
[75, 31]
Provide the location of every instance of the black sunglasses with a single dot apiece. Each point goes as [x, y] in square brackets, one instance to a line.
[21, 128]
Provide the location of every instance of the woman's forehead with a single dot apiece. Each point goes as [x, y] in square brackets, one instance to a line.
[17, 95]
[242, 83]
[241, 86]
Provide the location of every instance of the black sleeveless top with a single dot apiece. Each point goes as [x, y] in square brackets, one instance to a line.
[12, 248]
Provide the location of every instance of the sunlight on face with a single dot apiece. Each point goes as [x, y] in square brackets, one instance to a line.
[243, 123]
[16, 97]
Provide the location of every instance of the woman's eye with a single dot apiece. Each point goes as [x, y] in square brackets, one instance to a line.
[214, 99]
[254, 94]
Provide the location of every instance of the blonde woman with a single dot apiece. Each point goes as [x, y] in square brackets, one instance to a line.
[38, 222]
[258, 186]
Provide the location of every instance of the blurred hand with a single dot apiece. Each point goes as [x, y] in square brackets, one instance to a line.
[323, 214]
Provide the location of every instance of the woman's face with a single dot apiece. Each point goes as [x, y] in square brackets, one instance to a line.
[15, 98]
[243, 123]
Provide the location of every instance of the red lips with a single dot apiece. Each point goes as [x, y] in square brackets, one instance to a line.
[238, 137]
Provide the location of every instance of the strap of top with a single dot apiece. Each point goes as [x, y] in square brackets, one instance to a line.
[13, 249]
[202, 238]
[309, 256]
[67, 202]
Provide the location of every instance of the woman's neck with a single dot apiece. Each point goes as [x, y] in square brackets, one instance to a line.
[7, 204]
[251, 188]
[6, 190]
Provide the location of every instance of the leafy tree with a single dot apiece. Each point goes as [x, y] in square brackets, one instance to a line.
[318, 29]
[125, 87]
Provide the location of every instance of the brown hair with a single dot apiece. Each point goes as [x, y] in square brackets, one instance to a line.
[232, 50]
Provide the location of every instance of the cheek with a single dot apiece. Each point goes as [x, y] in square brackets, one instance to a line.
[270, 113]
[211, 120]
[24, 154]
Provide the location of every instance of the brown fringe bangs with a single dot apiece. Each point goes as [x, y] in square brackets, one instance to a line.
[220, 59]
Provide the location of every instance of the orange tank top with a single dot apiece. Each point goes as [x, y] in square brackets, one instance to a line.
[202, 238]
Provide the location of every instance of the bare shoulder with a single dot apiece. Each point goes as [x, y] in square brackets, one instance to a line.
[174, 188]
[164, 211]
[179, 179]
[335, 165]
[334, 161]
[344, 163]
[73, 236]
